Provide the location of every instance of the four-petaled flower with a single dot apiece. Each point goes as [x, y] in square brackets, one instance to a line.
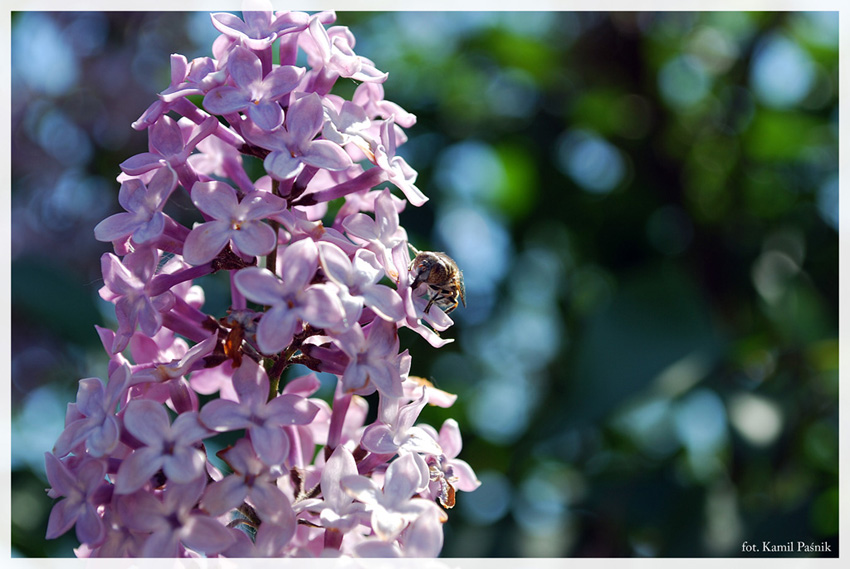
[127, 285]
[395, 431]
[143, 219]
[292, 300]
[391, 507]
[253, 94]
[92, 418]
[170, 447]
[263, 419]
[252, 479]
[239, 222]
[294, 146]
[337, 509]
[399, 171]
[374, 361]
[261, 27]
[381, 234]
[358, 283]
[173, 521]
[81, 498]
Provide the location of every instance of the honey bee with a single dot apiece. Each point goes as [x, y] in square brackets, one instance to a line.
[443, 277]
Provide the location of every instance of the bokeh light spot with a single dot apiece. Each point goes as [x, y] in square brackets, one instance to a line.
[592, 162]
[40, 55]
[700, 421]
[683, 81]
[782, 72]
[490, 502]
[757, 419]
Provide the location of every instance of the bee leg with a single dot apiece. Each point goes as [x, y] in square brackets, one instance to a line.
[430, 302]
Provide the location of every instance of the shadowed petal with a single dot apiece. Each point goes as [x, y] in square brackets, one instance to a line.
[224, 495]
[147, 421]
[137, 469]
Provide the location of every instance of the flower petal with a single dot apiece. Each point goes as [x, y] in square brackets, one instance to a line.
[282, 165]
[147, 421]
[270, 443]
[328, 155]
[206, 534]
[225, 100]
[266, 114]
[254, 238]
[224, 495]
[216, 199]
[276, 328]
[137, 469]
[260, 286]
[206, 241]
[298, 264]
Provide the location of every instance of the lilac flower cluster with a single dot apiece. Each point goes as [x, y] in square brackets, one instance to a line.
[304, 477]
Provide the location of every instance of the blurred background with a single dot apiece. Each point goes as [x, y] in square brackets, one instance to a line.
[645, 207]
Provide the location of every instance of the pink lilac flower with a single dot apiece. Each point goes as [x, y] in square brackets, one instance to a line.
[171, 447]
[307, 474]
[448, 473]
[127, 285]
[269, 541]
[391, 506]
[374, 362]
[253, 480]
[239, 222]
[346, 122]
[120, 540]
[450, 441]
[252, 93]
[315, 433]
[163, 379]
[81, 498]
[189, 78]
[292, 300]
[173, 521]
[381, 234]
[143, 219]
[400, 173]
[295, 146]
[93, 418]
[262, 418]
[337, 509]
[358, 283]
[217, 158]
[413, 385]
[395, 431]
[370, 97]
[168, 145]
[332, 55]
[176, 367]
[260, 27]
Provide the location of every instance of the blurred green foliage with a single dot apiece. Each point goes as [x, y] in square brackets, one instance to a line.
[645, 209]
